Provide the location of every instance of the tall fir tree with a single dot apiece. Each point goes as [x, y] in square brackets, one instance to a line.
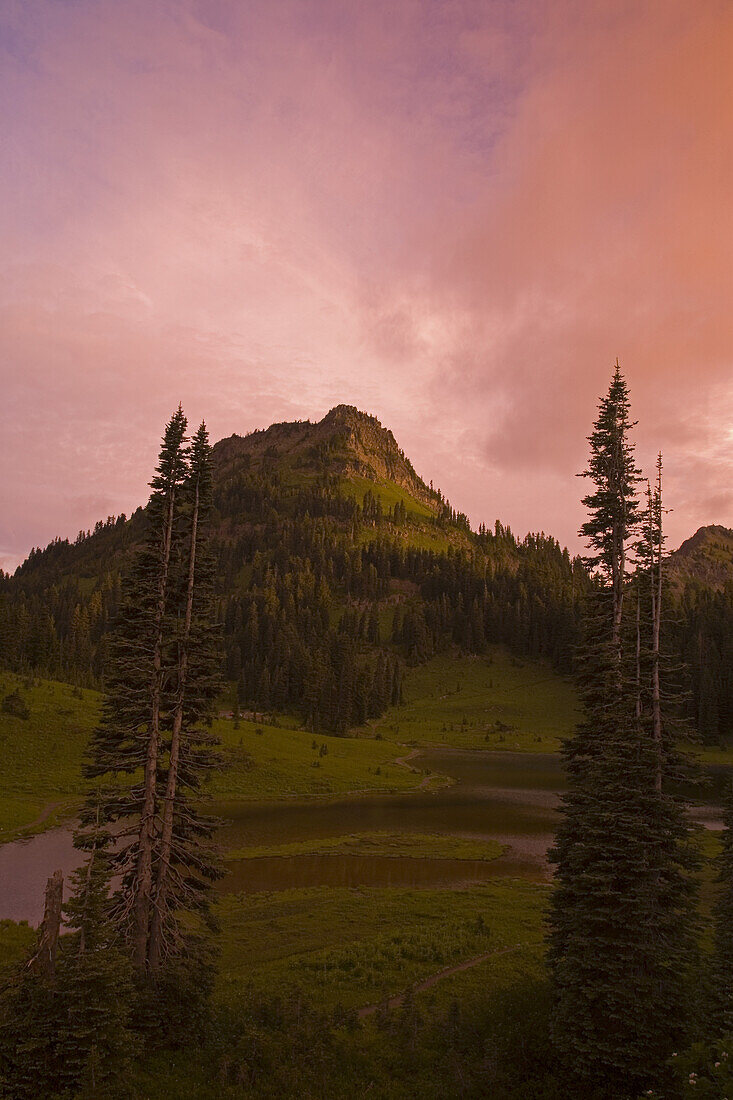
[613, 505]
[161, 680]
[649, 589]
[186, 863]
[622, 913]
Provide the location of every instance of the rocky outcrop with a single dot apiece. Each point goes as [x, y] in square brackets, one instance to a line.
[346, 443]
[706, 557]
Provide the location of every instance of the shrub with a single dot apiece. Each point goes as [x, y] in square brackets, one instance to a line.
[15, 704]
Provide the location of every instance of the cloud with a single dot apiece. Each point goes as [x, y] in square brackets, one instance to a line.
[453, 214]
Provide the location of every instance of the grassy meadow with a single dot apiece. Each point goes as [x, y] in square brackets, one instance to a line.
[496, 702]
[315, 958]
[319, 956]
[357, 947]
[427, 845]
[270, 762]
[42, 754]
[492, 702]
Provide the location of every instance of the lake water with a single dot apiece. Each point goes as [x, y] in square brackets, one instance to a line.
[508, 797]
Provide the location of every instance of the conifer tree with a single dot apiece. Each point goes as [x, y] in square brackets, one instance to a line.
[613, 505]
[95, 979]
[160, 684]
[65, 1030]
[656, 553]
[648, 584]
[31, 1018]
[622, 915]
[185, 862]
[722, 1014]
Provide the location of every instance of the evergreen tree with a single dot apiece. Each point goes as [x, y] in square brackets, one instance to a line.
[621, 924]
[95, 975]
[185, 862]
[151, 595]
[649, 587]
[31, 1021]
[160, 684]
[613, 505]
[65, 1029]
[722, 1014]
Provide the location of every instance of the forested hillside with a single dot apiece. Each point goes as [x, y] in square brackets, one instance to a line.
[701, 575]
[336, 567]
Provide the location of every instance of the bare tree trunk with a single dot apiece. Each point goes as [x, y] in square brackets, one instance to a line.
[88, 878]
[171, 785]
[638, 655]
[618, 569]
[44, 961]
[144, 876]
[656, 557]
[618, 584]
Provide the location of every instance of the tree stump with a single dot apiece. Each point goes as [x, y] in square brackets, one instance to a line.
[44, 961]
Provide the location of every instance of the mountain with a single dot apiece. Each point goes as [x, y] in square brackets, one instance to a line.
[706, 557]
[347, 443]
[701, 628]
[337, 565]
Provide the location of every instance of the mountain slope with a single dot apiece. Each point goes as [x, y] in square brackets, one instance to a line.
[337, 565]
[701, 576]
[706, 557]
[345, 444]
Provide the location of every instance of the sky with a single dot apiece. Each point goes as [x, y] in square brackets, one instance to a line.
[453, 214]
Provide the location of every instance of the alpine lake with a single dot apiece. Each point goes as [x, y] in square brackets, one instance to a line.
[509, 800]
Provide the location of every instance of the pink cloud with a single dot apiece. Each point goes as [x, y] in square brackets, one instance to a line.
[455, 215]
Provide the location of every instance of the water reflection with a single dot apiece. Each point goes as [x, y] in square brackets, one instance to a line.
[26, 866]
[291, 872]
[508, 797]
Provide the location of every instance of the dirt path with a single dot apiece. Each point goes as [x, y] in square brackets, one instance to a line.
[32, 828]
[433, 979]
[42, 817]
[404, 762]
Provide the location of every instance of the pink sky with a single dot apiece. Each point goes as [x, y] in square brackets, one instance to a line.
[454, 214]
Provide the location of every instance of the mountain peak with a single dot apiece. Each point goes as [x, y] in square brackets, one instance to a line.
[347, 443]
[706, 557]
[710, 534]
[348, 413]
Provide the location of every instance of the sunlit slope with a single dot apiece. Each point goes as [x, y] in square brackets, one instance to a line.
[262, 761]
[493, 702]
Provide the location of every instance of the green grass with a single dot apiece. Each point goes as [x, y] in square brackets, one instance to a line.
[479, 983]
[456, 701]
[353, 947]
[15, 942]
[419, 531]
[424, 845]
[708, 844]
[387, 492]
[42, 754]
[280, 762]
[494, 702]
[416, 534]
[709, 754]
